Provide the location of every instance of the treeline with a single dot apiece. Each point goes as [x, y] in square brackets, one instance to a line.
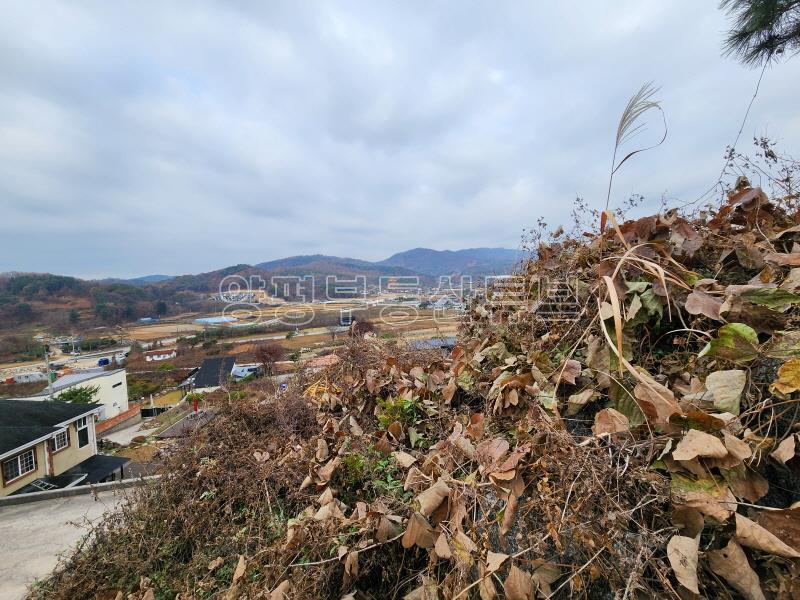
[65, 303]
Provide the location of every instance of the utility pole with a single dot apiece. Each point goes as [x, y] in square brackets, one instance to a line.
[49, 377]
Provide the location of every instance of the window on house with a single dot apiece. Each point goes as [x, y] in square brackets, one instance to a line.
[61, 440]
[19, 465]
[83, 432]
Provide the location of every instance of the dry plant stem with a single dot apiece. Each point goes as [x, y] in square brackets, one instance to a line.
[335, 558]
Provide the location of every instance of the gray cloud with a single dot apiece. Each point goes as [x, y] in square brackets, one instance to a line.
[149, 137]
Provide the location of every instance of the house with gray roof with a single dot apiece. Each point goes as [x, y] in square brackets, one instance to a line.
[47, 444]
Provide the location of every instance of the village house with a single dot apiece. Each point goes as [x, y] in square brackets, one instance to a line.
[160, 354]
[47, 445]
[112, 389]
[213, 374]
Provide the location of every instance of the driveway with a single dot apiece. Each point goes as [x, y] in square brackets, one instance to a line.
[123, 437]
[35, 534]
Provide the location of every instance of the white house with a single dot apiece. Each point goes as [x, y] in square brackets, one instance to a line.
[112, 389]
[160, 354]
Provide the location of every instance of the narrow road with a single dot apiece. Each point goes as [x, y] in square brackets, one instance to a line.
[35, 534]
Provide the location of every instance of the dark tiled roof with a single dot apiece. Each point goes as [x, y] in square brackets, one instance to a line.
[214, 371]
[23, 421]
[13, 437]
[92, 470]
[98, 467]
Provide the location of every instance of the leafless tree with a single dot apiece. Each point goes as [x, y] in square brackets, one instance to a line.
[268, 354]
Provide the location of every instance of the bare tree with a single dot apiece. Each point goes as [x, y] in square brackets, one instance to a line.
[361, 328]
[268, 355]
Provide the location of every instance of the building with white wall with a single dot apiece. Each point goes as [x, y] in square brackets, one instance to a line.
[112, 389]
[160, 354]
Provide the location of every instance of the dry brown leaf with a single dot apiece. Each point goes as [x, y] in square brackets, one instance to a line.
[784, 524]
[788, 380]
[519, 585]
[351, 564]
[216, 563]
[746, 483]
[430, 499]
[429, 590]
[475, 427]
[241, 567]
[355, 428]
[567, 372]
[282, 592]
[656, 401]
[509, 514]
[326, 497]
[785, 450]
[598, 358]
[416, 480]
[544, 575]
[726, 389]
[494, 560]
[699, 443]
[783, 260]
[486, 587]
[388, 528]
[463, 547]
[731, 564]
[322, 450]
[396, 431]
[701, 303]
[442, 548]
[418, 532]
[610, 421]
[449, 391]
[489, 452]
[682, 555]
[332, 510]
[324, 474]
[753, 535]
[690, 520]
[736, 447]
[404, 459]
[577, 401]
[710, 496]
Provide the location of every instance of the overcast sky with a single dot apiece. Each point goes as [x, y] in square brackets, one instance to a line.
[155, 137]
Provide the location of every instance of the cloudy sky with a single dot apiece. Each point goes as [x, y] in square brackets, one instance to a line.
[150, 137]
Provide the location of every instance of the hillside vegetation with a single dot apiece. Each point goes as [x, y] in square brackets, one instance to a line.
[639, 444]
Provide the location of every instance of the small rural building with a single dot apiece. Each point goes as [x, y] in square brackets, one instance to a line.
[160, 354]
[213, 373]
[448, 303]
[112, 389]
[30, 376]
[46, 445]
[242, 371]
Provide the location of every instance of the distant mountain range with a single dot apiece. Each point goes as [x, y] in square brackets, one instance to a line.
[145, 280]
[423, 262]
[66, 303]
[472, 261]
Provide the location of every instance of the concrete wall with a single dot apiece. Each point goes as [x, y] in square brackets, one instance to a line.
[41, 471]
[72, 455]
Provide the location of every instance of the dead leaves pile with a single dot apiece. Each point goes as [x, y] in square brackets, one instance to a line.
[631, 450]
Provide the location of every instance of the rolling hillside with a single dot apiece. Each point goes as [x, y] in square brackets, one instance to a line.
[472, 261]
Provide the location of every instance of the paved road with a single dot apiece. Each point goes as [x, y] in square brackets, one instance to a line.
[123, 437]
[34, 534]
